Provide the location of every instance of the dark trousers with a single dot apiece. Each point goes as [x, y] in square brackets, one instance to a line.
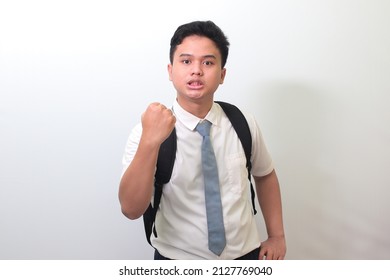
[253, 255]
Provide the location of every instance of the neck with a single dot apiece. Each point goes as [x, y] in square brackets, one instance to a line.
[199, 109]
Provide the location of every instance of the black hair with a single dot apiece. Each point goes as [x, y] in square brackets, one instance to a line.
[201, 28]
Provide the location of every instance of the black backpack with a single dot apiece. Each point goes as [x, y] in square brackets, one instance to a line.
[166, 160]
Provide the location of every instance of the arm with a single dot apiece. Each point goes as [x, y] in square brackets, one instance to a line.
[136, 186]
[269, 197]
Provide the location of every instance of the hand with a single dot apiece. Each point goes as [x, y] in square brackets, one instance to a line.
[157, 123]
[274, 248]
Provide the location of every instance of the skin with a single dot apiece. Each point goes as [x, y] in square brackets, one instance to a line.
[268, 193]
[196, 74]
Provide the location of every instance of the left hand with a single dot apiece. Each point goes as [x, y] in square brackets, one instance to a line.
[274, 248]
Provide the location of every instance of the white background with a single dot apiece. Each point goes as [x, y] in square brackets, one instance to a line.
[75, 77]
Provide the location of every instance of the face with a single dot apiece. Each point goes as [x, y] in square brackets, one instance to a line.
[196, 71]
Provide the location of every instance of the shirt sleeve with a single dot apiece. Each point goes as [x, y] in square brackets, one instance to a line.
[262, 163]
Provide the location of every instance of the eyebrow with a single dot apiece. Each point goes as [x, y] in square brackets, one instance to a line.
[204, 56]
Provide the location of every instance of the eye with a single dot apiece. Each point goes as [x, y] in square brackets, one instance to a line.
[186, 61]
[208, 63]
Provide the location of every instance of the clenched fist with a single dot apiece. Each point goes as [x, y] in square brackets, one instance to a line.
[157, 123]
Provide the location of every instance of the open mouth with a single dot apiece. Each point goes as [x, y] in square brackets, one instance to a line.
[195, 84]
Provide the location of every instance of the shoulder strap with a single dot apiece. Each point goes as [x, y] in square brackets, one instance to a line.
[241, 127]
[166, 159]
[165, 162]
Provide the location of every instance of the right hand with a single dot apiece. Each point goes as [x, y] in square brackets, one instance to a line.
[157, 123]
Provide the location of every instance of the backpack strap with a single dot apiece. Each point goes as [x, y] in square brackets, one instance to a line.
[240, 125]
[165, 162]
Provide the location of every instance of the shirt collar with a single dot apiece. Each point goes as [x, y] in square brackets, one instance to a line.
[190, 121]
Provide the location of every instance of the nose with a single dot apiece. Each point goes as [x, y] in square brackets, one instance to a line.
[197, 69]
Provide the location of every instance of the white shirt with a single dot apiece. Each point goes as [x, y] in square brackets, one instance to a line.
[181, 220]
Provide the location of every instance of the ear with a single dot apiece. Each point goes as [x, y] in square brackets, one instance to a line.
[223, 74]
[170, 71]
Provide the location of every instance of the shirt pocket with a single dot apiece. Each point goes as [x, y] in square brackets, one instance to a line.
[237, 172]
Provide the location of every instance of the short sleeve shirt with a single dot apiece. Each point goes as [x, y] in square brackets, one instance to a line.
[181, 219]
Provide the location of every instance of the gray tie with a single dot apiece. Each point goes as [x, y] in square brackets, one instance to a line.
[216, 230]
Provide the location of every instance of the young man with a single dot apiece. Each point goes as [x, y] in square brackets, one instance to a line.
[198, 55]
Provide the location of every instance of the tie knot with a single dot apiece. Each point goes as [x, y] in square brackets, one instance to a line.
[204, 128]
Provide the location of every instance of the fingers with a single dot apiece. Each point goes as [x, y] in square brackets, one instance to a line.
[157, 105]
[274, 248]
[157, 122]
[160, 109]
[262, 253]
[269, 254]
[266, 255]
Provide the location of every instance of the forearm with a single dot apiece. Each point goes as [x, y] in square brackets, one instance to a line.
[136, 186]
[269, 197]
